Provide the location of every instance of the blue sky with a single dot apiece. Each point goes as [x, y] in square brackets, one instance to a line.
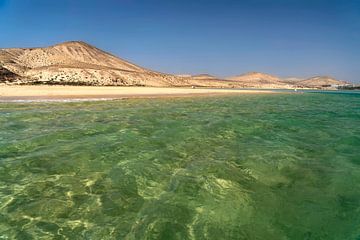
[221, 37]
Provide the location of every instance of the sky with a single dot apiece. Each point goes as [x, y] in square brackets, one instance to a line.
[287, 38]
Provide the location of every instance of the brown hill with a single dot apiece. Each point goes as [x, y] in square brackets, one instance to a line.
[69, 54]
[81, 64]
[78, 63]
[257, 79]
[204, 77]
[321, 81]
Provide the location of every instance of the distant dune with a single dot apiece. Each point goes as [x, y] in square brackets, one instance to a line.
[78, 63]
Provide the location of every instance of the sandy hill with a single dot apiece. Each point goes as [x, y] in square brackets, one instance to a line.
[257, 79]
[292, 79]
[78, 63]
[262, 80]
[81, 64]
[204, 77]
[321, 81]
[69, 54]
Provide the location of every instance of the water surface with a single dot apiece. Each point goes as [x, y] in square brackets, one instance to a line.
[284, 166]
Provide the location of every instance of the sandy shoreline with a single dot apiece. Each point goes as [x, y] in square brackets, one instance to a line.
[41, 92]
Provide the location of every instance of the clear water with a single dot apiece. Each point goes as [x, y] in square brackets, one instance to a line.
[284, 166]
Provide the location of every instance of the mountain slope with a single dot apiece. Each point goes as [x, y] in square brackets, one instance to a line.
[204, 77]
[66, 54]
[79, 63]
[7, 76]
[257, 79]
[321, 81]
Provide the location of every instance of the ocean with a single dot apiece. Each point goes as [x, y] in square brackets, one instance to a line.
[256, 166]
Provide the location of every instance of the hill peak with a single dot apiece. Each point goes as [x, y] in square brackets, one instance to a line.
[323, 77]
[74, 43]
[322, 81]
[256, 77]
[258, 74]
[204, 76]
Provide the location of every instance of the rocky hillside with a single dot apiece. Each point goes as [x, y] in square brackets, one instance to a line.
[79, 63]
[7, 76]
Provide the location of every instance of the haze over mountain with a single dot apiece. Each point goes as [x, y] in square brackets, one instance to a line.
[78, 63]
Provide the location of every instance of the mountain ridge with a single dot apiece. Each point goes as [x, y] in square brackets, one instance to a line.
[321, 80]
[255, 76]
[79, 63]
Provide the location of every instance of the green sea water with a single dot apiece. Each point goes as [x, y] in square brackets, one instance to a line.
[280, 166]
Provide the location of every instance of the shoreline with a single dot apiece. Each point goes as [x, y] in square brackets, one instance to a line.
[93, 93]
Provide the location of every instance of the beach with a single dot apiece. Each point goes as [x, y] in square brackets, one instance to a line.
[43, 92]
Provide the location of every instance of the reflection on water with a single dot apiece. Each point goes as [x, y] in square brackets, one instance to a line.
[242, 167]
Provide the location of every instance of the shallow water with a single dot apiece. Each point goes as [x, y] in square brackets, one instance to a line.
[284, 166]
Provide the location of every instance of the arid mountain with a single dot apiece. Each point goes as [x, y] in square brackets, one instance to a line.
[78, 63]
[204, 77]
[321, 81]
[261, 80]
[81, 64]
[69, 54]
[292, 80]
[256, 79]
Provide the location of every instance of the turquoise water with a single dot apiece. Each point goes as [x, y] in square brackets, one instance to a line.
[284, 166]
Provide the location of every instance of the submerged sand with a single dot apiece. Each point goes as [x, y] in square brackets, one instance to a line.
[42, 92]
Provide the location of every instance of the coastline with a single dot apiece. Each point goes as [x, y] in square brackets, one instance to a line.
[89, 93]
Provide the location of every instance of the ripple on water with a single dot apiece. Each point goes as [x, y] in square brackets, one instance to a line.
[241, 167]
